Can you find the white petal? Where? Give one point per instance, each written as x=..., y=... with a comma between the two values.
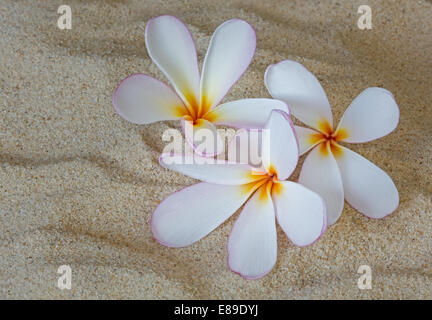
x=172, y=49
x=209, y=169
x=320, y=173
x=142, y=99
x=307, y=138
x=190, y=214
x=246, y=147
x=203, y=137
x=252, y=245
x=372, y=115
x=246, y=113
x=292, y=83
x=300, y=212
x=367, y=188
x=280, y=148
x=230, y=52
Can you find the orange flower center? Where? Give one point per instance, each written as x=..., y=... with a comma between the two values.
x=266, y=183
x=328, y=138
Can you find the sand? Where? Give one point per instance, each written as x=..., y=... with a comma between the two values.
x=79, y=183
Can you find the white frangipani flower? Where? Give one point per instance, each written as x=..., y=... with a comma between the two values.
x=188, y=215
x=142, y=99
x=332, y=170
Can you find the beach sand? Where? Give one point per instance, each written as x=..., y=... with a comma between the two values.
x=79, y=183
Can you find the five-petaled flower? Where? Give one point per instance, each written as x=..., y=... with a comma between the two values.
x=330, y=169
x=142, y=99
x=188, y=215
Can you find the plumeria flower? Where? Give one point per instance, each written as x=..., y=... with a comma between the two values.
x=332, y=170
x=186, y=216
x=195, y=100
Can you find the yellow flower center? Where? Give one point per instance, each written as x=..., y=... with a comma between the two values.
x=196, y=110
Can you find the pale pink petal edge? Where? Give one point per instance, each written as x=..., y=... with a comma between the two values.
x=216, y=103
x=152, y=223
x=364, y=214
x=136, y=75
x=190, y=35
x=323, y=229
x=228, y=251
